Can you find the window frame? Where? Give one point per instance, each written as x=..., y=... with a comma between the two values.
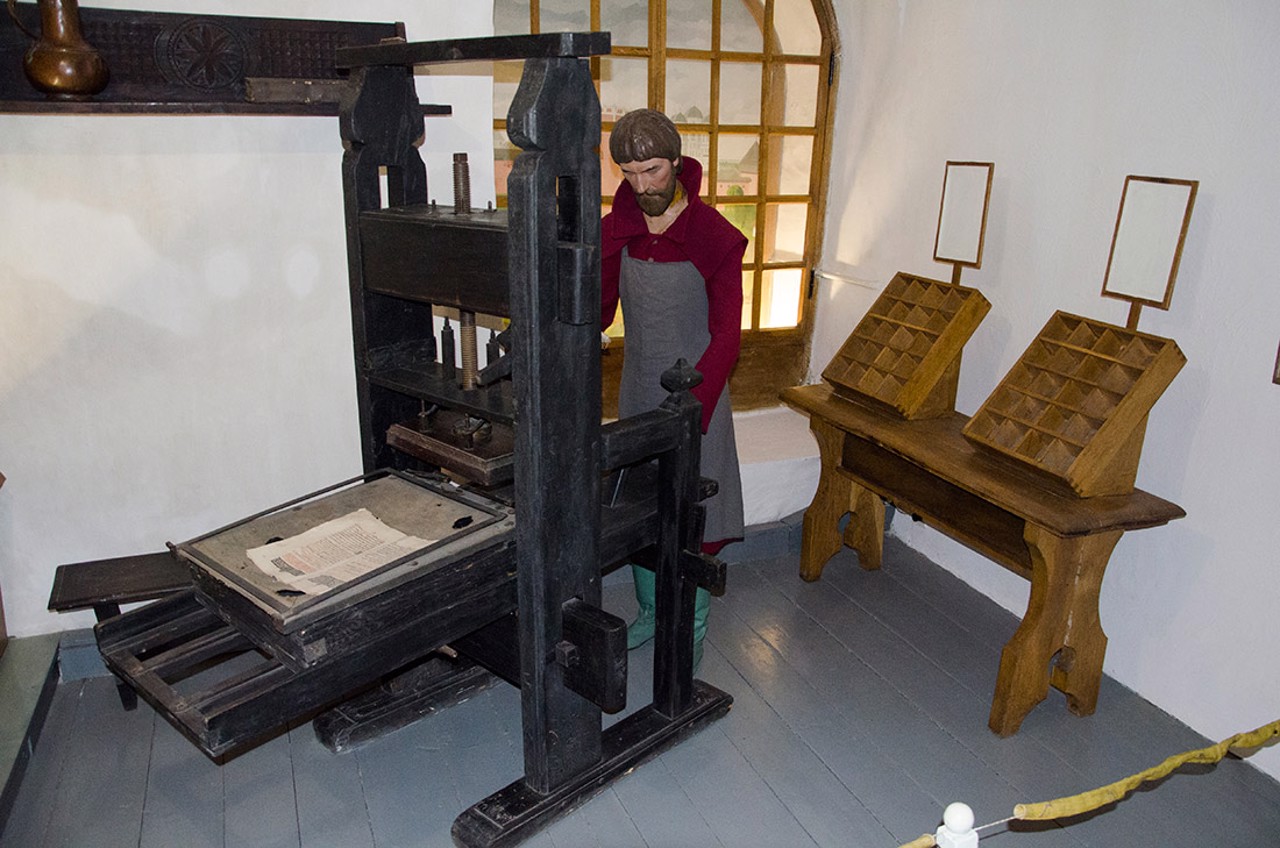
x=772, y=357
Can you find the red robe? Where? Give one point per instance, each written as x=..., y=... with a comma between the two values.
x=700, y=235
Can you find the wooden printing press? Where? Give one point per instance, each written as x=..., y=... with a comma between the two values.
x=504, y=479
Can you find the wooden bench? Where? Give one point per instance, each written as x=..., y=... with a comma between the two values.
x=103, y=585
x=1033, y=525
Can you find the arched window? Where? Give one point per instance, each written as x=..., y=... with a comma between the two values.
x=749, y=83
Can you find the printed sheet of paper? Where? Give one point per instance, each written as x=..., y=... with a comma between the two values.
x=335, y=552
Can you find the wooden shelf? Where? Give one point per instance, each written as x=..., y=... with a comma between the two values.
x=183, y=64
x=174, y=107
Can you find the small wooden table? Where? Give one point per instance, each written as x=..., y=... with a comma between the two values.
x=1033, y=525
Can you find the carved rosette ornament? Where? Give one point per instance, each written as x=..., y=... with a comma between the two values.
x=201, y=53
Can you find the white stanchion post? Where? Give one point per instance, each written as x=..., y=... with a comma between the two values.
x=957, y=827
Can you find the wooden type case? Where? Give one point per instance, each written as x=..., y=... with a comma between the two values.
x=1075, y=405
x=905, y=352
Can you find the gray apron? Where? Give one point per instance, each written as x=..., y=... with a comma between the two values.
x=664, y=307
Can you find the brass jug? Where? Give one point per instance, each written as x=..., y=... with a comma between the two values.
x=61, y=63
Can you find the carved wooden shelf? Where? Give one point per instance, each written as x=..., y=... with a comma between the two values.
x=905, y=352
x=1075, y=405
x=172, y=63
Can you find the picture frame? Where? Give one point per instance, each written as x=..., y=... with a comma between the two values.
x=962, y=213
x=1146, y=246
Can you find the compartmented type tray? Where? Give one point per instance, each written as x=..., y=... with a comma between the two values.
x=1075, y=405
x=905, y=352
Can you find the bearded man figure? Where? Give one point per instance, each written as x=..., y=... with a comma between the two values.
x=676, y=265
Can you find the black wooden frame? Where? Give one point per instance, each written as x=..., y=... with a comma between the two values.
x=528, y=606
x=571, y=662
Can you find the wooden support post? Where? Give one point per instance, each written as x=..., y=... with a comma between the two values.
x=555, y=301
x=678, y=489
x=820, y=534
x=554, y=272
x=865, y=530
x=1135, y=313
x=380, y=122
x=837, y=495
x=1061, y=626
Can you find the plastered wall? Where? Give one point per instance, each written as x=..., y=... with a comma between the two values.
x=1067, y=99
x=175, y=337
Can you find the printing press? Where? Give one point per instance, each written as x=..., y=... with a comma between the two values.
x=511, y=496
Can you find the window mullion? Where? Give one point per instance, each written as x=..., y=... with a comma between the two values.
x=713, y=147
x=658, y=54
x=764, y=230
x=594, y=25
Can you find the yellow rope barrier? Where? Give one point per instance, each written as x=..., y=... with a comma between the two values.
x=1074, y=805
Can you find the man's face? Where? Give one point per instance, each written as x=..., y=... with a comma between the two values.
x=654, y=184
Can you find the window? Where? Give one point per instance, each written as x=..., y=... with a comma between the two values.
x=748, y=83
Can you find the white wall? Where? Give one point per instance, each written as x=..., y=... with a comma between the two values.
x=1067, y=99
x=168, y=365
x=175, y=337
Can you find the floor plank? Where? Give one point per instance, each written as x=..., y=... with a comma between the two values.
x=184, y=803
x=860, y=707
x=662, y=811
x=100, y=796
x=332, y=809
x=260, y=798
x=33, y=807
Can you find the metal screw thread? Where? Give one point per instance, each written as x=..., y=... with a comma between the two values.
x=461, y=184
x=470, y=363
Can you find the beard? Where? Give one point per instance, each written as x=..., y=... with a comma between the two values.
x=654, y=203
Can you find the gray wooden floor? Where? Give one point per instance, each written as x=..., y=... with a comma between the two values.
x=860, y=711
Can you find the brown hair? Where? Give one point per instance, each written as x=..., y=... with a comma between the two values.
x=644, y=134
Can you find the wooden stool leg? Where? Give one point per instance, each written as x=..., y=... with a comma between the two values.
x=820, y=534
x=865, y=531
x=1062, y=615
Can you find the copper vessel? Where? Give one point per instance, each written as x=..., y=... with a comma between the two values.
x=62, y=64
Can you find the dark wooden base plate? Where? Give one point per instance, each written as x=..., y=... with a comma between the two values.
x=516, y=812
x=427, y=687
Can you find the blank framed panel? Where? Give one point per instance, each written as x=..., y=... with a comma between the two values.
x=1151, y=228
x=962, y=214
